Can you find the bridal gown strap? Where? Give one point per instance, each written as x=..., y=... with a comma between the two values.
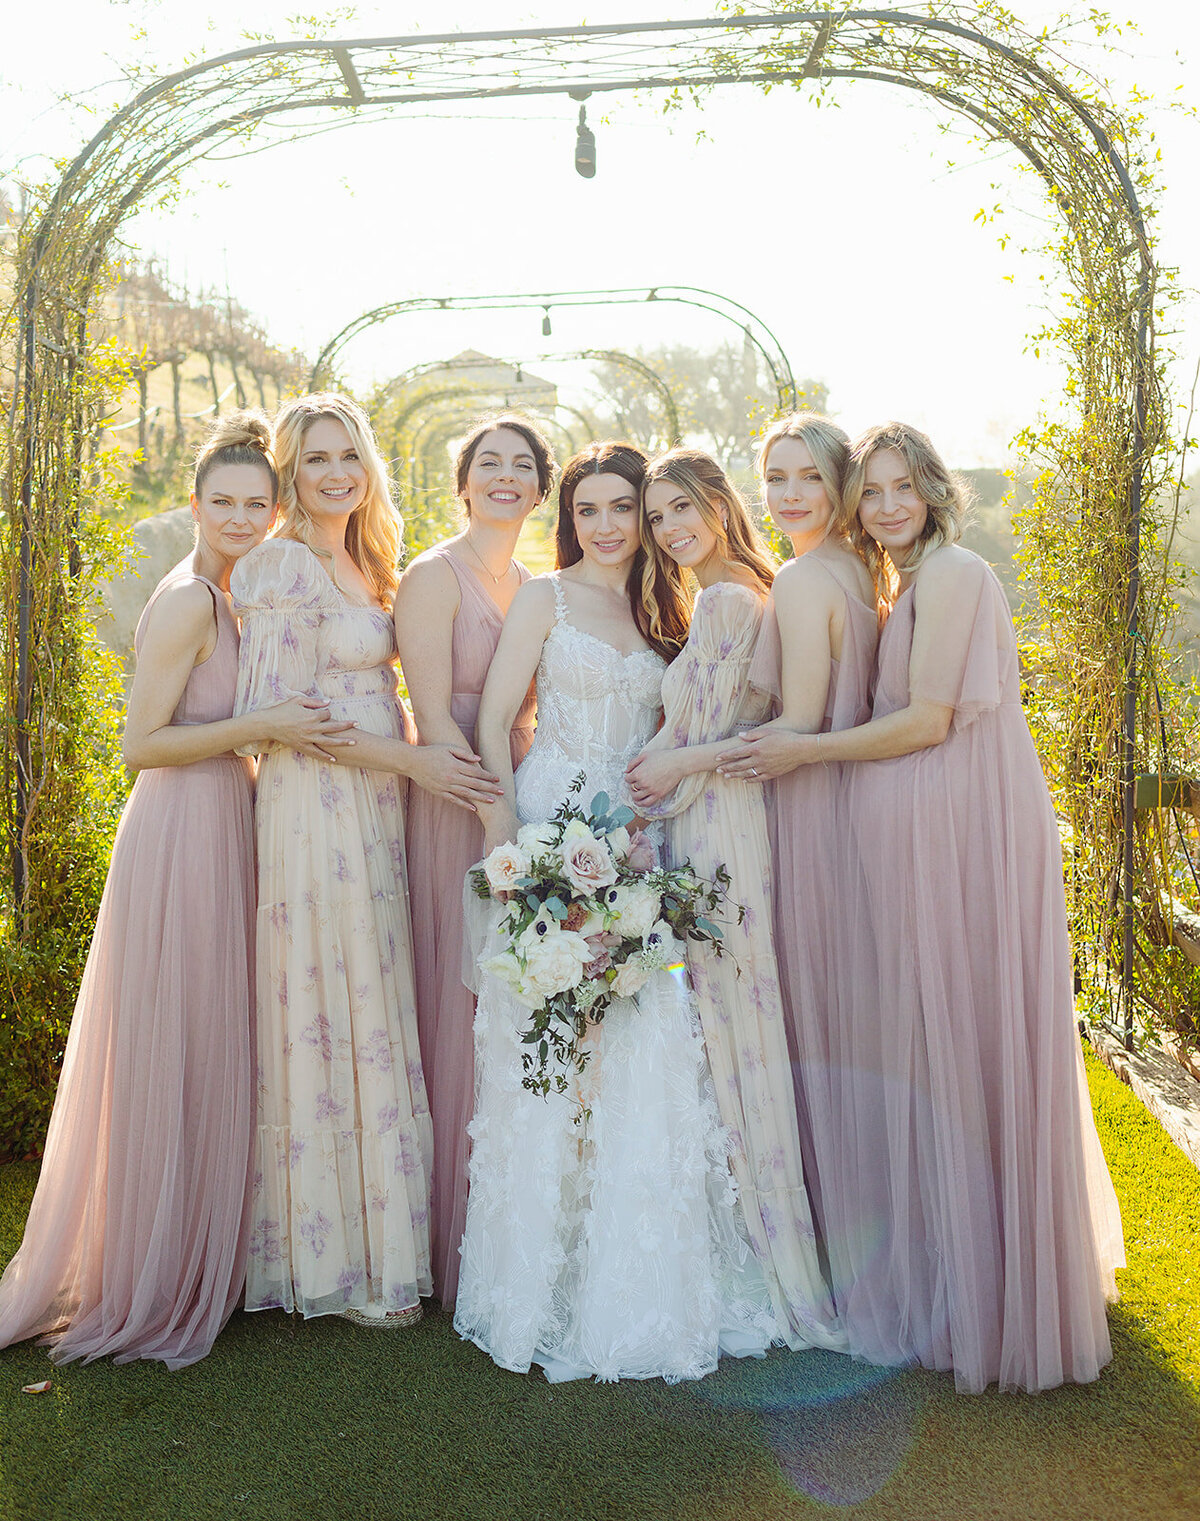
x=603, y=1236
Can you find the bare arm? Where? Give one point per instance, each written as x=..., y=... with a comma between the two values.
x=919, y=726
x=178, y=631
x=427, y=603
x=529, y=620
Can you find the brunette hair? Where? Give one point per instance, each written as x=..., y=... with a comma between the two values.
x=374, y=532
x=539, y=447
x=946, y=496
x=242, y=438
x=608, y=457
x=830, y=450
x=665, y=596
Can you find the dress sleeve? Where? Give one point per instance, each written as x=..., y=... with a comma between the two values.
x=766, y=665
x=279, y=595
x=966, y=655
x=707, y=692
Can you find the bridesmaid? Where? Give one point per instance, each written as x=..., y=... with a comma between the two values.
x=694, y=520
x=449, y=611
x=342, y=1153
x=815, y=657
x=978, y=1217
x=136, y=1241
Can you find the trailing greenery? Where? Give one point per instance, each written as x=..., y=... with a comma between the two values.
x=328, y=1422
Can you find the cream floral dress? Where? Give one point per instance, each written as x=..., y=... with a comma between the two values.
x=340, y=1179
x=716, y=821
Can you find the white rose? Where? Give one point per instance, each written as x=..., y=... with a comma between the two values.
x=631, y=977
x=537, y=839
x=576, y=830
x=503, y=867
x=636, y=908
x=618, y=841
x=507, y=969
x=556, y=962
x=587, y=862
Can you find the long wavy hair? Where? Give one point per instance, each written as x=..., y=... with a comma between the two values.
x=374, y=534
x=666, y=596
x=830, y=450
x=946, y=496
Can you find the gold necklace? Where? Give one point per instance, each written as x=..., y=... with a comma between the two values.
x=496, y=580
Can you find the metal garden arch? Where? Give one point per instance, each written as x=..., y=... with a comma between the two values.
x=971, y=59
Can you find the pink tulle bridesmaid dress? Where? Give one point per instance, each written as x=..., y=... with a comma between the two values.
x=807, y=828
x=136, y=1241
x=972, y=1199
x=443, y=841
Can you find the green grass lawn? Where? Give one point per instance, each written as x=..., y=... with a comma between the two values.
x=321, y=1422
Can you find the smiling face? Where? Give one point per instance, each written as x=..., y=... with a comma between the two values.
x=235, y=509
x=795, y=493
x=890, y=509
x=678, y=526
x=331, y=477
x=605, y=517
x=502, y=479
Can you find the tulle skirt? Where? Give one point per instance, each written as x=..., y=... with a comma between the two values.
x=967, y=1188
x=136, y=1241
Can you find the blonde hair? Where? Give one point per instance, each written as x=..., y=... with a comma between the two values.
x=374, y=534
x=242, y=438
x=829, y=446
x=946, y=496
x=665, y=596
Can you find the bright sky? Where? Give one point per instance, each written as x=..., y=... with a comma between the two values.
x=843, y=229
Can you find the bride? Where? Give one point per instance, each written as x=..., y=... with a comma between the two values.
x=603, y=1235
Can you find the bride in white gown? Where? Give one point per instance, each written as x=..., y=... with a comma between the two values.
x=603, y=1237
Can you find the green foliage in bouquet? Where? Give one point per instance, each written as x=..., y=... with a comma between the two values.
x=590, y=918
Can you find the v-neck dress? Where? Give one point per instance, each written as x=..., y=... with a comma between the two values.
x=344, y=1148
x=136, y=1241
x=444, y=842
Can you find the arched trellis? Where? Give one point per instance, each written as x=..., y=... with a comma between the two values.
x=463, y=367
x=753, y=328
x=973, y=61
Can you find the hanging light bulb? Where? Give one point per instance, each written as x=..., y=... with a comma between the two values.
x=585, y=147
x=545, y=322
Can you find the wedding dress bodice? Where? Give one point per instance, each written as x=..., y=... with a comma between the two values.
x=596, y=709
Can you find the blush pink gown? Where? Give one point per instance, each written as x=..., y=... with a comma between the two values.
x=972, y=1199
x=443, y=842
x=136, y=1241
x=807, y=832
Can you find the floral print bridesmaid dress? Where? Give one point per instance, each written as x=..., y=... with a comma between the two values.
x=342, y=1161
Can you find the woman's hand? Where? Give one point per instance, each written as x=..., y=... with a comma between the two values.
x=653, y=775
x=454, y=773
x=500, y=824
x=304, y=724
x=767, y=753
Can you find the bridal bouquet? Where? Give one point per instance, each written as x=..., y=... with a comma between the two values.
x=590, y=918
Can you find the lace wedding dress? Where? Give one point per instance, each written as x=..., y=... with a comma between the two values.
x=603, y=1235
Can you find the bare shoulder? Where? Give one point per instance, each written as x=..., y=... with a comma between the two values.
x=429, y=580
x=186, y=601
x=803, y=582
x=534, y=600
x=950, y=565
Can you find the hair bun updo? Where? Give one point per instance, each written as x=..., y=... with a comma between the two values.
x=241, y=438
